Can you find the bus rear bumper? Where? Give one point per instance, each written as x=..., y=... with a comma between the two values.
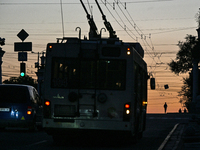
x=54, y=126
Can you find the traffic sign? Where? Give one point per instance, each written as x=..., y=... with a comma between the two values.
x=22, y=56
x=22, y=35
x=22, y=46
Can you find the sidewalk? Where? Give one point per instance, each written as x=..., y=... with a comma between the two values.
x=184, y=136
x=174, y=139
x=191, y=135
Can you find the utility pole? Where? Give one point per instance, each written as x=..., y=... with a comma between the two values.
x=195, y=105
x=40, y=72
x=195, y=62
x=195, y=69
x=2, y=42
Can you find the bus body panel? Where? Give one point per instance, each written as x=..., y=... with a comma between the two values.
x=94, y=100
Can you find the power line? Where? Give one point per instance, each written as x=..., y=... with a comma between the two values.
x=118, y=22
x=70, y=3
x=174, y=30
x=165, y=19
x=130, y=2
x=155, y=57
x=140, y=33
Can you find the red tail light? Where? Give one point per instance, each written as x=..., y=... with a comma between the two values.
x=47, y=109
x=29, y=110
x=47, y=103
x=127, y=105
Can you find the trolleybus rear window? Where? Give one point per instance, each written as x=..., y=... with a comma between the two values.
x=86, y=74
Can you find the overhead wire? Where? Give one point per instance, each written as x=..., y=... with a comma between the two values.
x=144, y=40
x=155, y=56
x=137, y=29
x=134, y=26
x=69, y=3
x=117, y=20
x=152, y=53
x=89, y=7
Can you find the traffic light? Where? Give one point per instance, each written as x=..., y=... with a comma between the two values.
x=22, y=69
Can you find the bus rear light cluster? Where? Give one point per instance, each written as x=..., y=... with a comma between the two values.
x=127, y=112
x=128, y=51
x=47, y=109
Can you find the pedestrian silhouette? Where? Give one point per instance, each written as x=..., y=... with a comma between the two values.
x=165, y=107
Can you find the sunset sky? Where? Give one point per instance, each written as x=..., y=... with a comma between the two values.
x=157, y=24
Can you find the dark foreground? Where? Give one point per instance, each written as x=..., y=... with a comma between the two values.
x=158, y=128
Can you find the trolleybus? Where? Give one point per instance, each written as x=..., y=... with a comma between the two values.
x=96, y=84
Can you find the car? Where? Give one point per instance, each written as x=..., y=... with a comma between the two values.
x=20, y=106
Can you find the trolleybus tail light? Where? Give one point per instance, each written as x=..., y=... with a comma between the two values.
x=47, y=103
x=29, y=110
x=127, y=112
x=128, y=51
x=50, y=46
x=47, y=109
x=127, y=106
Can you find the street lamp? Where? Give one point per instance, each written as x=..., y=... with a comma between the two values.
x=40, y=71
x=1, y=55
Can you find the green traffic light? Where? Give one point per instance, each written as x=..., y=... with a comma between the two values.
x=22, y=74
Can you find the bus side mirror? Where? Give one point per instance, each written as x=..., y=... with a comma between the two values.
x=152, y=83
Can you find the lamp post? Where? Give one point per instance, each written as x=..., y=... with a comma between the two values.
x=196, y=58
x=195, y=69
x=2, y=42
x=195, y=104
x=1, y=55
x=40, y=70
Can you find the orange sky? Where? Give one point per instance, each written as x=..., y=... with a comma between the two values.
x=161, y=24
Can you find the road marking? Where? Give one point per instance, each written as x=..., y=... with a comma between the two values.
x=168, y=136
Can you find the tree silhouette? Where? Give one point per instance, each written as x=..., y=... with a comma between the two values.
x=183, y=64
x=21, y=80
x=183, y=60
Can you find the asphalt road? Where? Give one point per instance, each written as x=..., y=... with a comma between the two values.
x=158, y=127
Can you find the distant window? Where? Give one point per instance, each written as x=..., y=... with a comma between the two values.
x=111, y=51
